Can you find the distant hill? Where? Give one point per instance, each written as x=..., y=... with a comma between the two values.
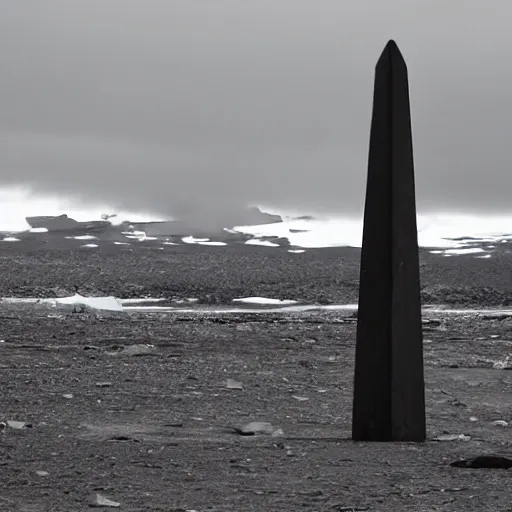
x=65, y=223
x=199, y=224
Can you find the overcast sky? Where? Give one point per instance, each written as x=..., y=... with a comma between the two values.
x=165, y=105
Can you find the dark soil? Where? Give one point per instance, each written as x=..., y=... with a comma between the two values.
x=216, y=275
x=157, y=431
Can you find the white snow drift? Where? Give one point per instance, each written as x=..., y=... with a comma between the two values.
x=105, y=303
x=263, y=300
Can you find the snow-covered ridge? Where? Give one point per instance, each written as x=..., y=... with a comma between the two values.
x=454, y=234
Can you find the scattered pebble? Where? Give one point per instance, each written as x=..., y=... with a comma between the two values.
x=17, y=425
x=353, y=508
x=233, y=384
x=484, y=461
x=101, y=501
x=452, y=437
x=260, y=427
x=505, y=364
x=103, y=384
x=138, y=350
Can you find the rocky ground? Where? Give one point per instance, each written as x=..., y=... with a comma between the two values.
x=142, y=410
x=216, y=275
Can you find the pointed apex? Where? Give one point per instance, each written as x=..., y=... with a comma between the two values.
x=392, y=49
x=390, y=53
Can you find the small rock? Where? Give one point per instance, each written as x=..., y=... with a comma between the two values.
x=42, y=473
x=69, y=396
x=505, y=364
x=484, y=461
x=138, y=350
x=473, y=418
x=452, y=437
x=233, y=384
x=258, y=427
x=101, y=501
x=17, y=425
x=353, y=508
x=500, y=423
x=300, y=398
x=456, y=402
x=103, y=384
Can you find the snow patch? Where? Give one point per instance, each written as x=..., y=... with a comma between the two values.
x=140, y=236
x=469, y=250
x=192, y=240
x=89, y=246
x=213, y=243
x=84, y=237
x=434, y=231
x=11, y=239
x=264, y=243
x=140, y=300
x=264, y=300
x=105, y=303
x=201, y=241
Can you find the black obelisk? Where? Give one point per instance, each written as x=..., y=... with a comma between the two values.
x=389, y=395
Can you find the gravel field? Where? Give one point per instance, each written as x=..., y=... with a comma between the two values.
x=147, y=410
x=217, y=275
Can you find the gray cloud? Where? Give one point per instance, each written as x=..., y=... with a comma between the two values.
x=165, y=105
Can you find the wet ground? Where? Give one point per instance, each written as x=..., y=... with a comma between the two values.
x=142, y=409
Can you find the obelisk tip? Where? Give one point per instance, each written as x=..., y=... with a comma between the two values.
x=390, y=53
